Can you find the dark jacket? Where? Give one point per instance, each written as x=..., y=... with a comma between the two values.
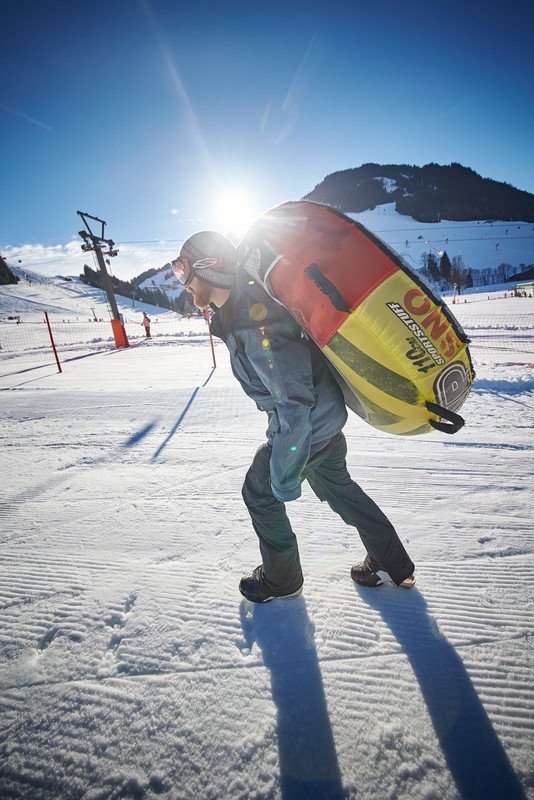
x=286, y=374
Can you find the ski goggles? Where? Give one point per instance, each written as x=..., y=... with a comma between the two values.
x=185, y=272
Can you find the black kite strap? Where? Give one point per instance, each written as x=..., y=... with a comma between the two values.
x=327, y=287
x=455, y=421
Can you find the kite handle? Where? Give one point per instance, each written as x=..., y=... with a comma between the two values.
x=327, y=287
x=455, y=421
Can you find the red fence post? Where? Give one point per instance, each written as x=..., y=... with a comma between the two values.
x=52, y=341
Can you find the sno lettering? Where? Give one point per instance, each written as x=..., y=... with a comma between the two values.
x=419, y=304
x=418, y=309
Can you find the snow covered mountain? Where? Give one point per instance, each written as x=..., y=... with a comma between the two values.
x=482, y=244
x=428, y=194
x=165, y=281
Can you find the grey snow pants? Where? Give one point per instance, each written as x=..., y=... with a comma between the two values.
x=327, y=474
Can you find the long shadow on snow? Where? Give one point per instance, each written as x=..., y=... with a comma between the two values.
x=309, y=768
x=34, y=490
x=474, y=754
x=180, y=419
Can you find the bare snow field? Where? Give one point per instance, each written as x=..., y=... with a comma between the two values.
x=130, y=666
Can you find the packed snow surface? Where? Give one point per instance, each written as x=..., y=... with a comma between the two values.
x=131, y=667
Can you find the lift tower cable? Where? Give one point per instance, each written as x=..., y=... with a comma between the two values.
x=93, y=242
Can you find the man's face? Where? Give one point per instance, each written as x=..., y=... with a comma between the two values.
x=201, y=292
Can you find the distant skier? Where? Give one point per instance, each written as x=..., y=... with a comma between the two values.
x=146, y=323
x=286, y=374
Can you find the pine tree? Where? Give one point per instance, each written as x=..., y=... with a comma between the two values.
x=445, y=267
x=433, y=268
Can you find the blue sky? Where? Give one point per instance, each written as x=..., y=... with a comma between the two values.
x=164, y=118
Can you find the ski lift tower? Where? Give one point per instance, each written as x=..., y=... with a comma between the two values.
x=93, y=243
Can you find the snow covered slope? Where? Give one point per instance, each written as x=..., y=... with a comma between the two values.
x=130, y=666
x=481, y=244
x=67, y=297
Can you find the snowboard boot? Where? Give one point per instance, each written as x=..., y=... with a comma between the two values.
x=254, y=589
x=368, y=573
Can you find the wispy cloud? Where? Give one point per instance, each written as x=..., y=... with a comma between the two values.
x=68, y=259
x=26, y=117
x=454, y=109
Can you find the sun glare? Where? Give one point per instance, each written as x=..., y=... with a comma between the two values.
x=234, y=212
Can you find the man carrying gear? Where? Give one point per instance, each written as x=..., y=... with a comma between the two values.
x=287, y=376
